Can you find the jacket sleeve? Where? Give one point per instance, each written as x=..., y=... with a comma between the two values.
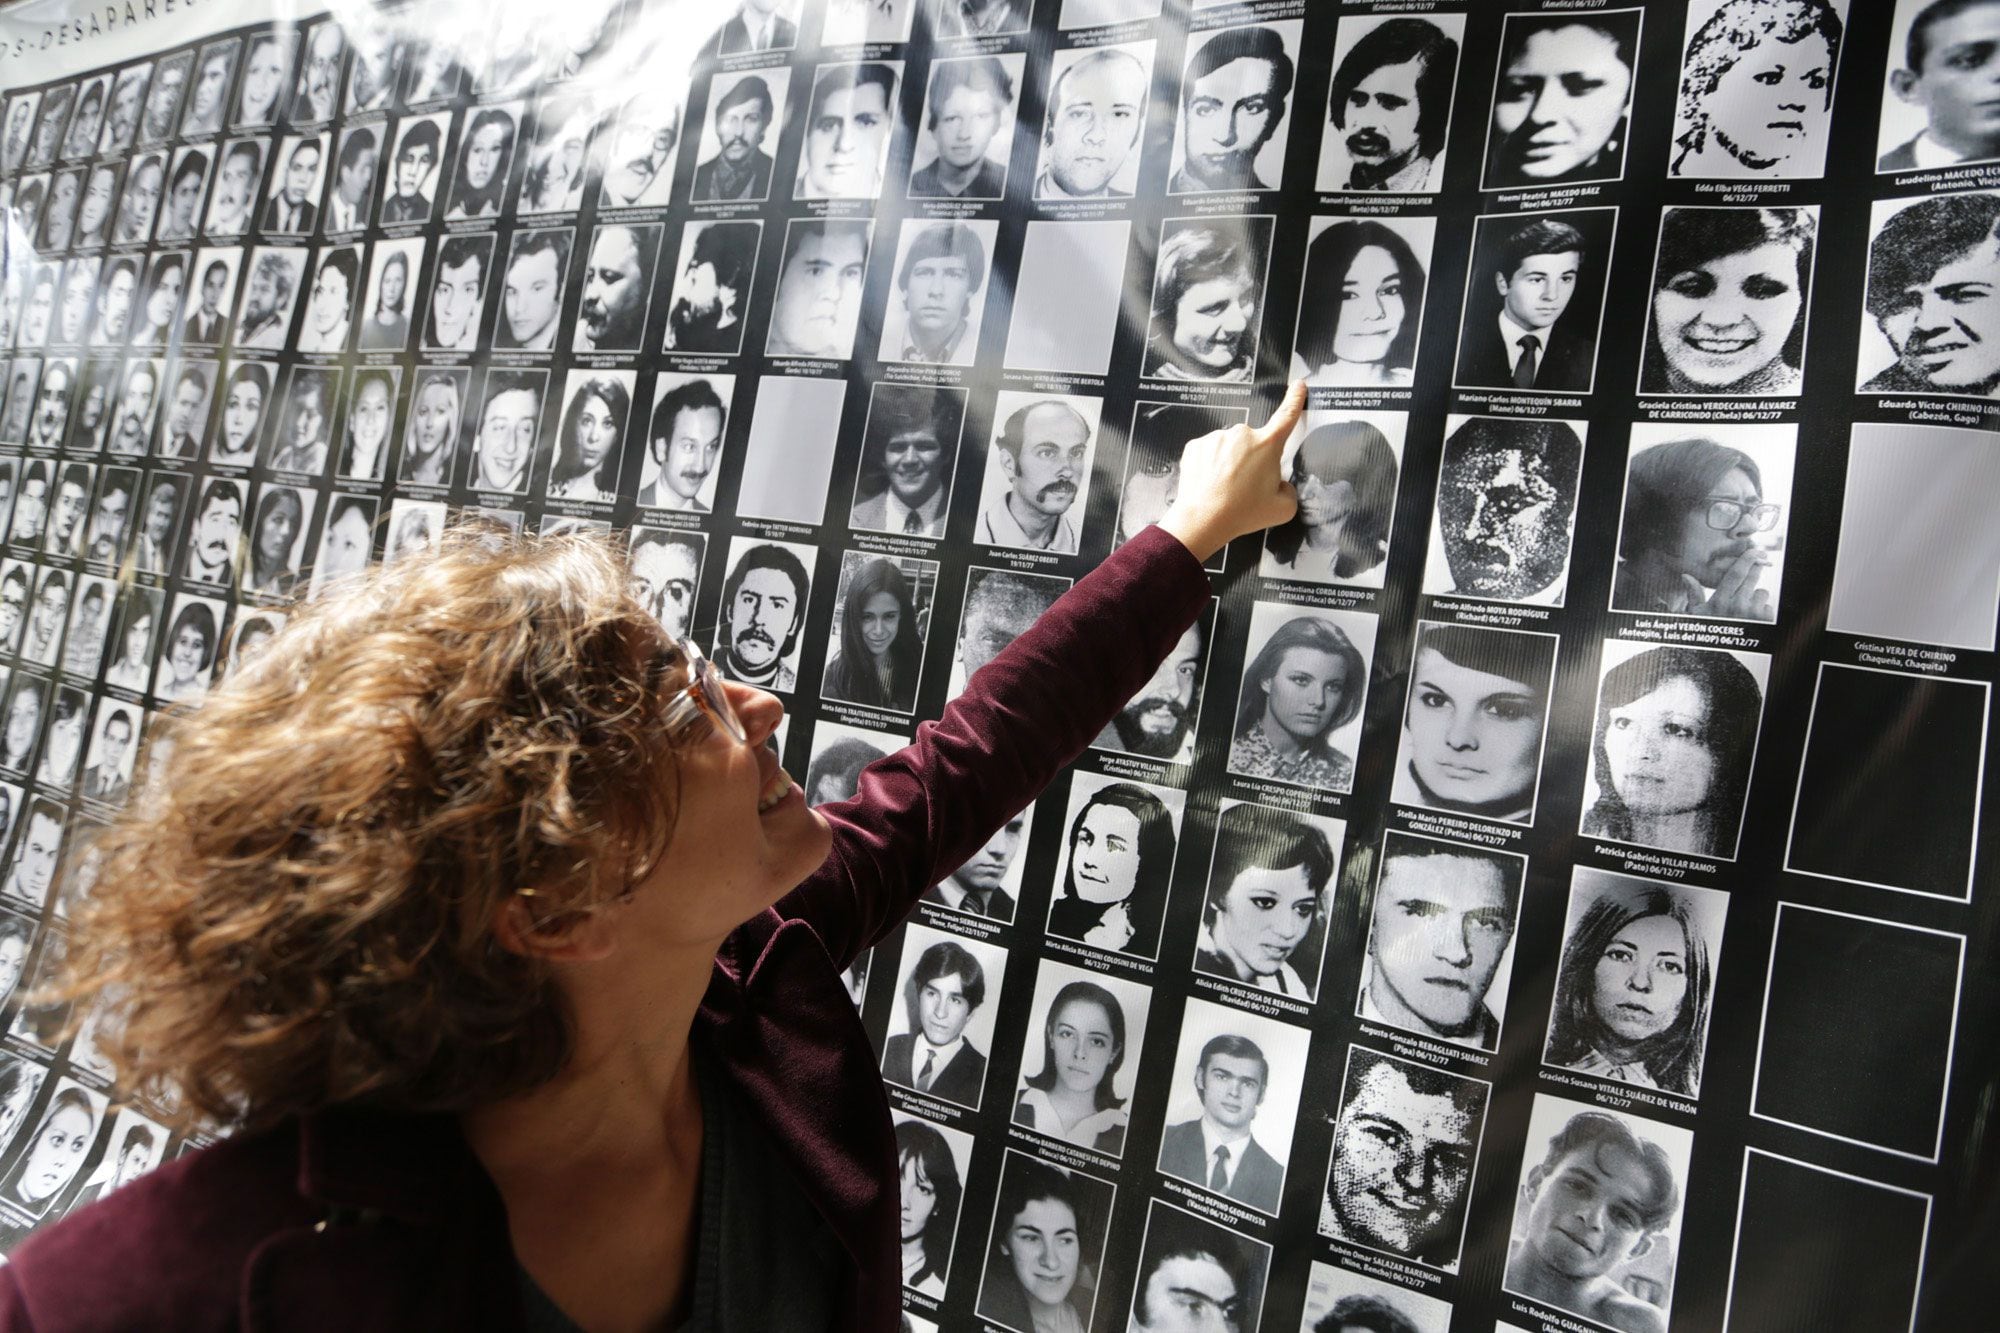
x=918, y=814
x=13, y=1308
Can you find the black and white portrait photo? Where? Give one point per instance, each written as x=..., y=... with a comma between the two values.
x=1390, y=106
x=375, y=66
x=1730, y=288
x=413, y=169
x=934, y=314
x=1562, y=99
x=187, y=390
x=745, y=112
x=293, y=204
x=1474, y=721
x=41, y=637
x=1598, y=1216
x=1045, y=1247
x=1233, y=1104
x=19, y=133
x=54, y=396
x=117, y=294
x=187, y=653
x=1933, y=295
x=640, y=148
x=384, y=309
x=459, y=284
x=989, y=883
x=301, y=440
x=1194, y=1273
x=531, y=291
x=274, y=542
x=77, y=306
x=788, y=458
x=908, y=454
x=1270, y=888
x=131, y=419
x=27, y=705
x=86, y=121
x=756, y=25
x=979, y=18
x=1094, y=122
x=185, y=186
x=763, y=612
x=558, y=155
x=322, y=57
x=267, y=78
x=131, y=651
x=881, y=625
x=156, y=318
x=505, y=430
x=1756, y=91
x=485, y=160
x=415, y=527
x=1155, y=444
x=94, y=210
x=1405, y=1146
x=1938, y=109
x=107, y=771
x=56, y=105
x=999, y=607
x=432, y=426
x=711, y=292
x=617, y=287
x=1672, y=747
x=850, y=118
x=1099, y=13
x=153, y=544
x=1345, y=468
x=1535, y=301
x=330, y=305
x=684, y=440
x=1159, y=721
x=932, y=1164
x=1635, y=982
x=817, y=305
x=232, y=205
x=1038, y=471
x=1885, y=586
x=212, y=287
x=967, y=131
x=1703, y=531
x=59, y=224
x=208, y=92
x=271, y=288
x=435, y=69
x=215, y=522
x=134, y=1146
x=55, y=1147
x=83, y=648
x=1080, y=1091
x=1506, y=505
x=1339, y=1301
x=1079, y=269
x=948, y=992
x=1440, y=939
x=1208, y=298
x=1361, y=301
x=1234, y=98
x=249, y=398
x=665, y=566
x=352, y=198
x=839, y=753
x=1298, y=715
x=1120, y=839
x=346, y=538
x=587, y=456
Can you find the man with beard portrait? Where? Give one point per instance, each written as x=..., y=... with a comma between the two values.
x=707, y=313
x=763, y=611
x=741, y=169
x=1158, y=722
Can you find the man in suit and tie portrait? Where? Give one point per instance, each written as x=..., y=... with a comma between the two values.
x=1525, y=344
x=109, y=777
x=291, y=208
x=740, y=169
x=977, y=886
x=935, y=1057
x=910, y=429
x=756, y=26
x=205, y=324
x=1216, y=1149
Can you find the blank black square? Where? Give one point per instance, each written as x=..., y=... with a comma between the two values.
x=1888, y=789
x=1857, y=1029
x=1817, y=1251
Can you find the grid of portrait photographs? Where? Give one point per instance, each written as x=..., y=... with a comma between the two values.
x=1367, y=969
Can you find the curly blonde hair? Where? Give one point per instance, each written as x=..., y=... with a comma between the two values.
x=298, y=911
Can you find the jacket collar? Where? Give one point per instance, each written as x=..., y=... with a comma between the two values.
x=398, y=1164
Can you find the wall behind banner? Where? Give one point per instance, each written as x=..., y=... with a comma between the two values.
x=1551, y=873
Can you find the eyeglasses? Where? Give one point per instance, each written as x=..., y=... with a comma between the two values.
x=1724, y=515
x=703, y=695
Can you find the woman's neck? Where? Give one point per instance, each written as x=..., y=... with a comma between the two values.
x=1071, y=1105
x=1282, y=742
x=1326, y=536
x=1685, y=831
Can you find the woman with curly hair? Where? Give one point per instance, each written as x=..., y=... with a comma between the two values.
x=1670, y=754
x=1729, y=301
x=930, y=1195
x=1632, y=992
x=1205, y=303
x=483, y=915
x=590, y=447
x=881, y=645
x=1757, y=91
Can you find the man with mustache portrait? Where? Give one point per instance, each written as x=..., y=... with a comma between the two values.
x=707, y=313
x=685, y=441
x=1390, y=107
x=763, y=611
x=741, y=169
x=1044, y=455
x=1158, y=722
x=1403, y=1150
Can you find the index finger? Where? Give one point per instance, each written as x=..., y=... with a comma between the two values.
x=1279, y=428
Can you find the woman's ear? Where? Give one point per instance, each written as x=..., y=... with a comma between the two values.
x=576, y=935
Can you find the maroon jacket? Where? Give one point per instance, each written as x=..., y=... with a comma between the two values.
x=350, y=1219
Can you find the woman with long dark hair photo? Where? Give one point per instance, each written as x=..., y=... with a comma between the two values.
x=1364, y=299
x=1083, y=1047
x=931, y=1191
x=1114, y=887
x=1632, y=991
x=1345, y=476
x=590, y=447
x=881, y=643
